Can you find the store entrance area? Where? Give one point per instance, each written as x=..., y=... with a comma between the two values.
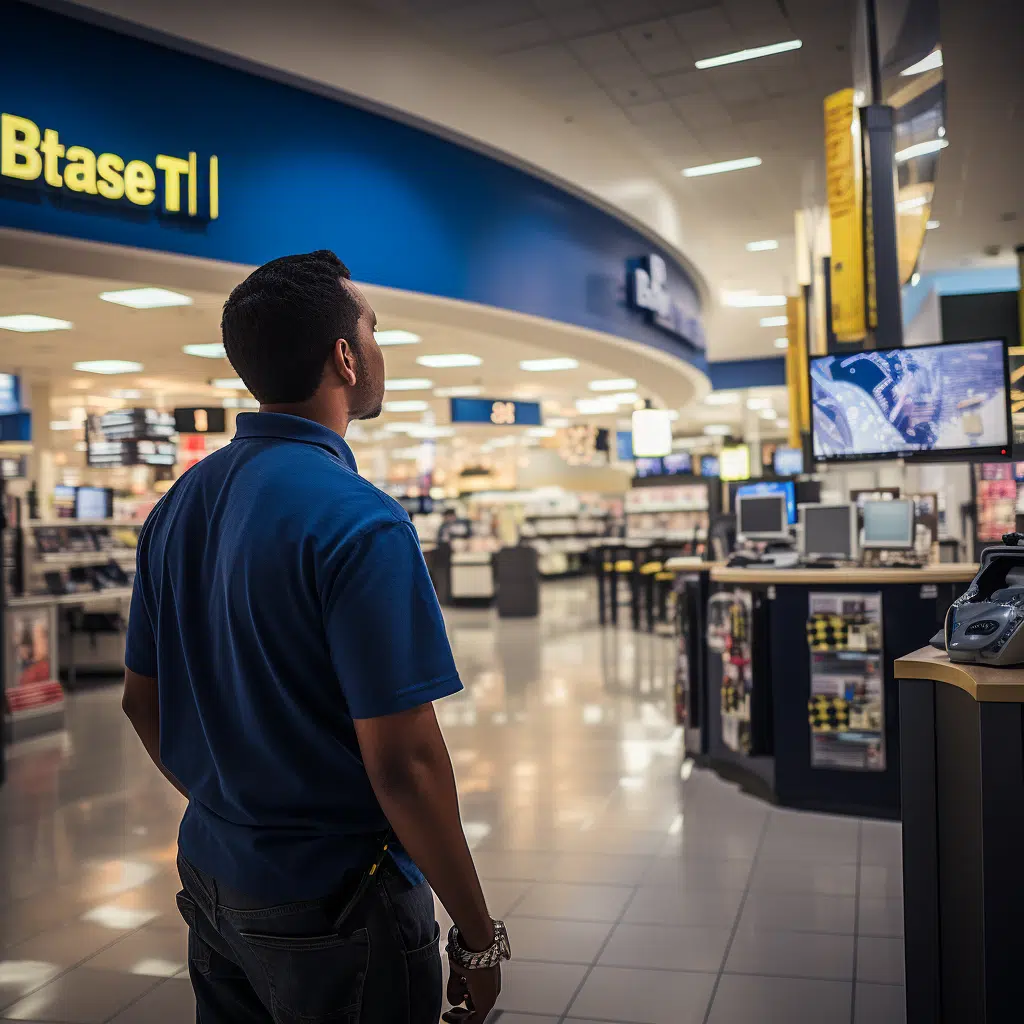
x=633, y=892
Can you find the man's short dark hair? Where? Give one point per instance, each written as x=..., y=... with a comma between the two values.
x=281, y=323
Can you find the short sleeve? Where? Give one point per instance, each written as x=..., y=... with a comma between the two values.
x=140, y=648
x=384, y=627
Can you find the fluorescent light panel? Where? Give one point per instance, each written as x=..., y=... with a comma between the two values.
x=613, y=384
x=774, y=321
x=547, y=365
x=920, y=149
x=781, y=343
x=29, y=323
x=206, y=350
x=914, y=203
x=931, y=225
x=596, y=406
x=541, y=432
x=460, y=391
x=929, y=63
x=229, y=383
x=146, y=298
x=722, y=398
x=408, y=405
x=407, y=384
x=717, y=430
x=765, y=245
x=452, y=359
x=751, y=300
x=108, y=366
x=385, y=338
x=701, y=170
x=752, y=54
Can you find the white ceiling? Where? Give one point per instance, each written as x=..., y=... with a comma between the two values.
x=603, y=95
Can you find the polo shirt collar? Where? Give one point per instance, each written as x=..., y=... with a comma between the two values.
x=285, y=427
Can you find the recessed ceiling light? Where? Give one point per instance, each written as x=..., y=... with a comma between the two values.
x=396, y=338
x=717, y=430
x=769, y=414
x=596, y=406
x=409, y=405
x=781, y=343
x=720, y=168
x=108, y=366
x=28, y=323
x=613, y=384
x=722, y=398
x=751, y=54
x=557, y=421
x=229, y=383
x=126, y=394
x=460, y=391
x=751, y=300
x=146, y=298
x=915, y=279
x=407, y=384
x=765, y=245
x=759, y=403
x=546, y=365
x=206, y=350
x=782, y=424
x=425, y=431
x=541, y=432
x=901, y=156
x=626, y=398
x=774, y=321
x=929, y=63
x=931, y=225
x=63, y=425
x=443, y=362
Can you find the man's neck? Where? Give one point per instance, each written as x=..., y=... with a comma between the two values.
x=326, y=413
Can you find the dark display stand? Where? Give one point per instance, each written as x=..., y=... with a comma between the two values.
x=690, y=590
x=517, y=582
x=961, y=731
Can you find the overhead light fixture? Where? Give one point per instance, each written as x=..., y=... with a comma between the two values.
x=613, y=384
x=717, y=429
x=759, y=403
x=146, y=298
x=914, y=203
x=701, y=170
x=109, y=366
x=596, y=406
x=386, y=338
x=546, y=365
x=205, y=350
x=240, y=403
x=769, y=414
x=29, y=323
x=901, y=156
x=559, y=422
x=460, y=391
x=425, y=431
x=229, y=384
x=722, y=398
x=407, y=384
x=541, y=432
x=781, y=343
x=63, y=424
x=751, y=300
x=774, y=321
x=915, y=279
x=752, y=54
x=444, y=362
x=765, y=245
x=627, y=398
x=126, y=394
x=931, y=225
x=929, y=63
x=408, y=405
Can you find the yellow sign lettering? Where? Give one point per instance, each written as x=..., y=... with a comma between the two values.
x=109, y=167
x=173, y=167
x=80, y=171
x=19, y=148
x=52, y=151
x=139, y=182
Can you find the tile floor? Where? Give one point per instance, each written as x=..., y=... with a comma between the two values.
x=632, y=894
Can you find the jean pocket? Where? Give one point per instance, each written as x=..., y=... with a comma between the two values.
x=318, y=977
x=423, y=966
x=198, y=950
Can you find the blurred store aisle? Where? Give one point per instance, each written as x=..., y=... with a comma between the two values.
x=631, y=894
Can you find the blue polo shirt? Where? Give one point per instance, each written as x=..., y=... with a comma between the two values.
x=279, y=596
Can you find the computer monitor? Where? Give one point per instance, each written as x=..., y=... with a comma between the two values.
x=761, y=517
x=94, y=503
x=830, y=531
x=889, y=524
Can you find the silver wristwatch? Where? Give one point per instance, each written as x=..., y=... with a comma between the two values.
x=492, y=956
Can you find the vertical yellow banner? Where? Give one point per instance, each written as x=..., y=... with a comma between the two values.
x=797, y=369
x=845, y=188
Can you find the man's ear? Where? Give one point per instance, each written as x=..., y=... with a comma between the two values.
x=345, y=362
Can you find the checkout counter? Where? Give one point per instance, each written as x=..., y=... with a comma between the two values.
x=796, y=699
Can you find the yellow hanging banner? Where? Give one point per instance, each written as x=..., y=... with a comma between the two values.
x=845, y=189
x=797, y=369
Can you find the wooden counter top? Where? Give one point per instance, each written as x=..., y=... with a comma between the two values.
x=983, y=683
x=950, y=572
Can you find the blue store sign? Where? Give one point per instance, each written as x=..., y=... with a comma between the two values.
x=110, y=138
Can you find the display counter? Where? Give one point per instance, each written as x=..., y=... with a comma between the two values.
x=961, y=729
x=801, y=704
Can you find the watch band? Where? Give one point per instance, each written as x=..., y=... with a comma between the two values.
x=492, y=956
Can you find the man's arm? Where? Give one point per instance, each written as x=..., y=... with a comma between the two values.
x=141, y=705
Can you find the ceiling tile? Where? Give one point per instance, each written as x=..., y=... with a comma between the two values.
x=650, y=36
x=760, y=135
x=481, y=14
x=785, y=82
x=706, y=23
x=516, y=37
x=702, y=112
x=623, y=73
x=663, y=62
x=601, y=48
x=626, y=12
x=578, y=23
x=685, y=83
x=647, y=113
x=638, y=93
x=548, y=59
x=761, y=13
x=740, y=90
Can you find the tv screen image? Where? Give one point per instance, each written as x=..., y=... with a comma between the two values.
x=678, y=462
x=709, y=465
x=949, y=399
x=784, y=487
x=649, y=467
x=788, y=461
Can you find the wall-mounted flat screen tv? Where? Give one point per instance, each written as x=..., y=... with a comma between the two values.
x=939, y=402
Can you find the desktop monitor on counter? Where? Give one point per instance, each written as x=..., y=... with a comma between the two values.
x=762, y=517
x=889, y=524
x=829, y=531
x=94, y=503
x=784, y=487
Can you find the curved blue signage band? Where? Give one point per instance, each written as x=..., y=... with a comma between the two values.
x=110, y=138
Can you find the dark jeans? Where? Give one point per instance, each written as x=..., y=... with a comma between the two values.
x=253, y=964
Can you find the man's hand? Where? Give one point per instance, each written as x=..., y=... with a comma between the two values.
x=478, y=990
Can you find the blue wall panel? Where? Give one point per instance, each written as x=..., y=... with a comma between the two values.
x=404, y=208
x=748, y=373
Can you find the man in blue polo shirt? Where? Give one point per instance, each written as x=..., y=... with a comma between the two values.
x=284, y=648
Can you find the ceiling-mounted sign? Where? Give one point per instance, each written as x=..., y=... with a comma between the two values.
x=500, y=412
x=178, y=185
x=131, y=453
x=648, y=291
x=10, y=393
x=131, y=424
x=206, y=420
